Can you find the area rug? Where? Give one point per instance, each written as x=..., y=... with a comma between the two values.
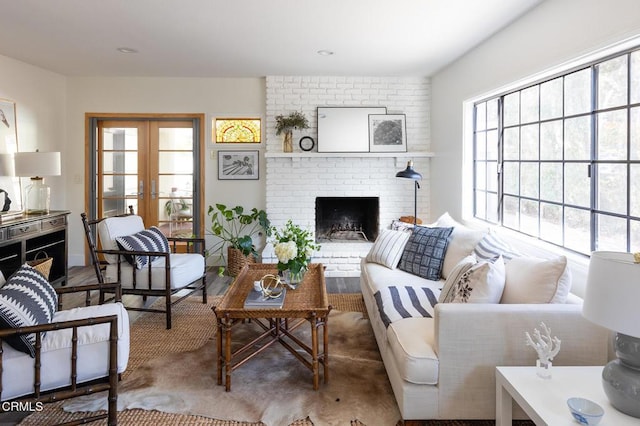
x=273, y=388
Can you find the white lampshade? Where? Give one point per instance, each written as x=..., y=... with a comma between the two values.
x=30, y=164
x=613, y=291
x=7, y=165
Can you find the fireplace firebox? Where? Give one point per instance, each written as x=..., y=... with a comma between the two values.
x=345, y=219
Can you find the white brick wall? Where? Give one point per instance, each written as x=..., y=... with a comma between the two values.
x=294, y=183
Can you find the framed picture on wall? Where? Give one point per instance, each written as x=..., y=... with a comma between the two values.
x=387, y=133
x=238, y=165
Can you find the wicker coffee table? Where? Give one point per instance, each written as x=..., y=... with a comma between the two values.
x=307, y=303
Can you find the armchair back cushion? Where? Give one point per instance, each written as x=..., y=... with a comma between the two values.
x=114, y=227
x=26, y=299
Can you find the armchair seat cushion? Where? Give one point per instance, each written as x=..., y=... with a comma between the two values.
x=185, y=269
x=93, y=353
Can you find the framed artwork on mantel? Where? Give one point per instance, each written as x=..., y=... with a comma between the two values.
x=10, y=189
x=345, y=129
x=387, y=133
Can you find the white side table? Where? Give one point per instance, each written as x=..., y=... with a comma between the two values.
x=545, y=401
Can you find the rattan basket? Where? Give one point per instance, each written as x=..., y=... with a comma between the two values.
x=236, y=261
x=42, y=265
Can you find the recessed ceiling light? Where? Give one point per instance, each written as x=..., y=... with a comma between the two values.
x=324, y=52
x=126, y=50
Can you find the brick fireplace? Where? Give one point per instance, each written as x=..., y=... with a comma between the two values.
x=295, y=180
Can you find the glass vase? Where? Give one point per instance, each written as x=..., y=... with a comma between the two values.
x=293, y=279
x=543, y=369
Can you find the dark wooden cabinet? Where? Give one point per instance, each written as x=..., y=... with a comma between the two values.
x=30, y=237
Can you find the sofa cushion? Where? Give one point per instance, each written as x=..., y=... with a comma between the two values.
x=533, y=280
x=482, y=283
x=492, y=246
x=411, y=342
x=151, y=239
x=424, y=252
x=395, y=303
x=388, y=248
x=26, y=299
x=461, y=244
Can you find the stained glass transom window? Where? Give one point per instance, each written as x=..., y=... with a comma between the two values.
x=237, y=130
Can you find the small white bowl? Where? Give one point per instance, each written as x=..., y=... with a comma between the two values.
x=585, y=412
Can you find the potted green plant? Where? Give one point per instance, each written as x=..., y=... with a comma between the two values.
x=234, y=230
x=286, y=124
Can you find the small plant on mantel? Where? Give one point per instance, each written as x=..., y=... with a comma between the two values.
x=286, y=124
x=235, y=229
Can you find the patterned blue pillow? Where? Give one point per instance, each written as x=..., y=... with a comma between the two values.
x=151, y=239
x=26, y=299
x=424, y=253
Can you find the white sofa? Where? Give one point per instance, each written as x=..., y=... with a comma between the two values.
x=443, y=367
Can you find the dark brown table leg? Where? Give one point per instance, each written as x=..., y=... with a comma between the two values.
x=227, y=354
x=219, y=341
x=325, y=348
x=314, y=351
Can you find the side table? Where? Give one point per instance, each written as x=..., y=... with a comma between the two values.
x=545, y=400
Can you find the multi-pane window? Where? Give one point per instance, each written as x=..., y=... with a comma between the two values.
x=560, y=160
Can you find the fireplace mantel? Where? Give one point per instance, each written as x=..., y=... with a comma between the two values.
x=414, y=154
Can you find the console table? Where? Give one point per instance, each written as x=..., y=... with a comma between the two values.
x=28, y=237
x=545, y=400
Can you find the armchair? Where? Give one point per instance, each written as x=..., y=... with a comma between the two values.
x=84, y=351
x=159, y=271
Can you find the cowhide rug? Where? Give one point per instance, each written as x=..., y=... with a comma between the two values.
x=273, y=387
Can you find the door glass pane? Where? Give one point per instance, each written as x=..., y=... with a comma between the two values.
x=551, y=182
x=551, y=223
x=120, y=139
x=577, y=92
x=551, y=140
x=512, y=109
x=612, y=188
x=611, y=233
x=175, y=139
x=529, y=217
x=511, y=183
x=612, y=135
x=635, y=78
x=577, y=230
x=530, y=105
x=120, y=162
x=577, y=138
x=612, y=82
x=551, y=99
x=577, y=184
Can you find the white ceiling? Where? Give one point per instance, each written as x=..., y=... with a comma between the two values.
x=248, y=38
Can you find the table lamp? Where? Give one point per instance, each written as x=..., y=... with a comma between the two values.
x=36, y=165
x=611, y=300
x=410, y=173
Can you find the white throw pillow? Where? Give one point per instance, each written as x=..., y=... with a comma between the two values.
x=388, y=248
x=463, y=266
x=482, y=283
x=533, y=280
x=462, y=242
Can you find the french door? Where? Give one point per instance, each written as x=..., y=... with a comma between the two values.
x=154, y=165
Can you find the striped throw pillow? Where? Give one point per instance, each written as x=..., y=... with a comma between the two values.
x=491, y=246
x=388, y=248
x=26, y=299
x=151, y=239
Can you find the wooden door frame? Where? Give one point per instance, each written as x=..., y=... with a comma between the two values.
x=90, y=117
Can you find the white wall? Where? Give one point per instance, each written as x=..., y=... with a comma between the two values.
x=211, y=96
x=40, y=114
x=555, y=32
